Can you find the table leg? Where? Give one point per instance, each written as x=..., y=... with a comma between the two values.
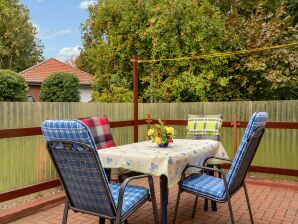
x=164, y=199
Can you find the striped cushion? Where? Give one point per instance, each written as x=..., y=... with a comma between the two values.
x=205, y=185
x=204, y=125
x=257, y=120
x=100, y=130
x=132, y=195
x=67, y=130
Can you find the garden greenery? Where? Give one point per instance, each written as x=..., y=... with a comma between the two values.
x=12, y=86
x=116, y=30
x=60, y=87
x=19, y=46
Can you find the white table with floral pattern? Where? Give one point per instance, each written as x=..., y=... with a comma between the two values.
x=167, y=163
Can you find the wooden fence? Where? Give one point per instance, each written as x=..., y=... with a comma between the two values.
x=24, y=160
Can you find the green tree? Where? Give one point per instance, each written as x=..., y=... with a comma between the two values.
x=60, y=87
x=111, y=37
x=293, y=11
x=115, y=94
x=153, y=29
x=179, y=28
x=19, y=47
x=12, y=86
x=269, y=74
x=172, y=29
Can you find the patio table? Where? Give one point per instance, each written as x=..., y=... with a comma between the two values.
x=167, y=163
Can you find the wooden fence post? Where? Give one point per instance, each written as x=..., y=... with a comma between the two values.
x=148, y=122
x=135, y=98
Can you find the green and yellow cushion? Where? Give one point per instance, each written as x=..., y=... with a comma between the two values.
x=204, y=125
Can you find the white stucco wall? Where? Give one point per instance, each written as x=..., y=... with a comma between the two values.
x=85, y=93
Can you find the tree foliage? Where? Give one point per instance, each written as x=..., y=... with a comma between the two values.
x=115, y=31
x=19, y=47
x=60, y=87
x=274, y=70
x=117, y=94
x=12, y=86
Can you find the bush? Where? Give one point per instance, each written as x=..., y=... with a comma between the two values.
x=120, y=95
x=12, y=86
x=60, y=87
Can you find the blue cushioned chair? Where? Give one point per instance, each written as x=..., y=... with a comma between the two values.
x=221, y=190
x=73, y=152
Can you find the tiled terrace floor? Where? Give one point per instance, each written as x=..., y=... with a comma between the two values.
x=269, y=204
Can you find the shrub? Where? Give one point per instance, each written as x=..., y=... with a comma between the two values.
x=116, y=94
x=60, y=87
x=12, y=86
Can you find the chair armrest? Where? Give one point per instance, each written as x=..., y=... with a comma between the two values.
x=219, y=158
x=201, y=167
x=125, y=183
x=127, y=180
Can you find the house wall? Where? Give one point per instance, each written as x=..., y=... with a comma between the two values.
x=85, y=94
x=34, y=91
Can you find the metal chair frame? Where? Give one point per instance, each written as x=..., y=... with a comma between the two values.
x=253, y=144
x=116, y=218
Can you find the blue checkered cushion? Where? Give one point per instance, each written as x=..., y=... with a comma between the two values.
x=79, y=172
x=205, y=185
x=132, y=195
x=213, y=187
x=77, y=131
x=258, y=119
x=71, y=130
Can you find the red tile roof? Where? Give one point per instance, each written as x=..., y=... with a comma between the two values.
x=42, y=70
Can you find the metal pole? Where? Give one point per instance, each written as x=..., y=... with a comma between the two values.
x=135, y=97
x=235, y=134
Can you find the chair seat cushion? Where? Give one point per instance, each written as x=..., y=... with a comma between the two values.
x=132, y=195
x=205, y=185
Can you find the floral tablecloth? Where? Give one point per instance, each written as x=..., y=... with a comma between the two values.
x=147, y=157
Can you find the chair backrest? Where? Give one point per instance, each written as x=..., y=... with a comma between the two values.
x=70, y=130
x=100, y=130
x=73, y=152
x=246, y=151
x=204, y=126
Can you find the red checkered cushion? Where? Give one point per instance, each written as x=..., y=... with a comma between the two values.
x=100, y=131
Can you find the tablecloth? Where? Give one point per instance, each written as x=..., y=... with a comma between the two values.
x=147, y=157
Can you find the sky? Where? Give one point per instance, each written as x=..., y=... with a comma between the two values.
x=58, y=23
